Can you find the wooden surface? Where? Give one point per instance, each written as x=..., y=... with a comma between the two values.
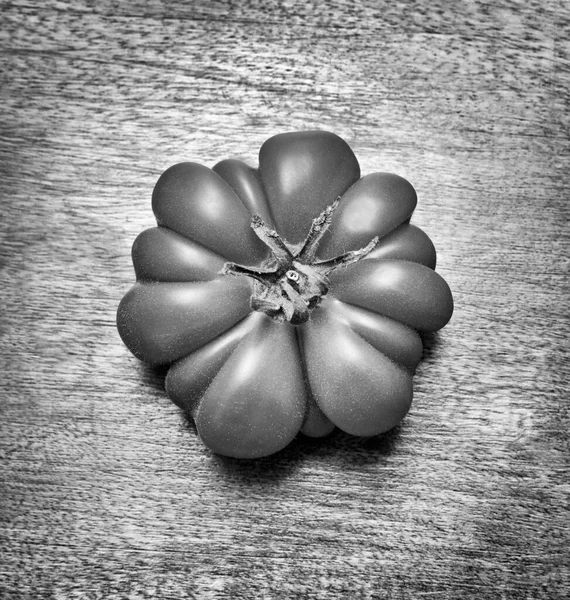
x=106, y=492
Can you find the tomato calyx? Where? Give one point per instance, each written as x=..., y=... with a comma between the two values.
x=293, y=281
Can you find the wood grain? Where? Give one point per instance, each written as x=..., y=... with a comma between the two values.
x=106, y=490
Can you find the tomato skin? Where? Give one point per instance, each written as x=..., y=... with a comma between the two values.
x=197, y=203
x=189, y=377
x=358, y=388
x=247, y=185
x=397, y=341
x=161, y=322
x=160, y=254
x=252, y=382
x=256, y=404
x=408, y=292
x=406, y=242
x=316, y=423
x=374, y=205
x=303, y=172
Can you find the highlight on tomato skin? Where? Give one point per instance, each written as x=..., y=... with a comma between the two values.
x=286, y=299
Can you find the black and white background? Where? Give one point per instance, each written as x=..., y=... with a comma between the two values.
x=106, y=492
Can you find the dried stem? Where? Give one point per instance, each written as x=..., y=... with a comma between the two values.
x=326, y=266
x=319, y=227
x=272, y=240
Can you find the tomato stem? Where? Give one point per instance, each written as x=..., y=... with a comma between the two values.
x=264, y=276
x=319, y=227
x=348, y=258
x=293, y=283
x=272, y=240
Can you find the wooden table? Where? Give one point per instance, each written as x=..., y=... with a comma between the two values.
x=106, y=490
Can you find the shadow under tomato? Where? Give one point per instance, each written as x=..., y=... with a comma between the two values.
x=153, y=376
x=337, y=447
x=431, y=342
x=341, y=448
x=351, y=450
x=260, y=471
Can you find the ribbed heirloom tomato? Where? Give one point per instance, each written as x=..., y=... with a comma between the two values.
x=286, y=298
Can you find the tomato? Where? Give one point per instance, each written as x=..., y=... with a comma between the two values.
x=285, y=299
